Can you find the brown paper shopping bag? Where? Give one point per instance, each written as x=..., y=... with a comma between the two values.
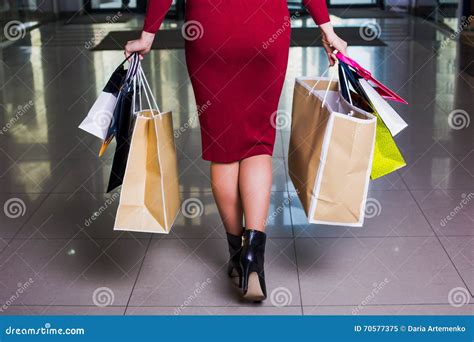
x=149, y=200
x=330, y=154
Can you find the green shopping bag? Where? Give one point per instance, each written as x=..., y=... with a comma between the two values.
x=387, y=156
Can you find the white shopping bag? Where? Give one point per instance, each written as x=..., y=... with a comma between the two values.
x=98, y=119
x=389, y=116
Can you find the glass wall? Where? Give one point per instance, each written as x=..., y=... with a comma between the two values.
x=299, y=3
x=16, y=16
x=138, y=6
x=113, y=4
x=446, y=14
x=352, y=2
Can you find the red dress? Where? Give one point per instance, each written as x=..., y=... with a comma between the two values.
x=237, y=55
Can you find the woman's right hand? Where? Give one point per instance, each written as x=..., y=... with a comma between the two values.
x=142, y=45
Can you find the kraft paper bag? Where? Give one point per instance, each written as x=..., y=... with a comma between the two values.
x=149, y=201
x=330, y=153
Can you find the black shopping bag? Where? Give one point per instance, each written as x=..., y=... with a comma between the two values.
x=122, y=129
x=123, y=136
x=131, y=72
x=351, y=89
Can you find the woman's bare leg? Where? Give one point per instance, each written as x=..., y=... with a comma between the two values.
x=225, y=187
x=255, y=184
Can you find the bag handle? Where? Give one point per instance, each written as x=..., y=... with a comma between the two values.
x=140, y=83
x=331, y=72
x=143, y=83
x=347, y=85
x=132, y=69
x=137, y=88
x=142, y=86
x=134, y=96
x=125, y=60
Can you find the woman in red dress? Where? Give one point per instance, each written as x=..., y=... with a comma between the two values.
x=237, y=55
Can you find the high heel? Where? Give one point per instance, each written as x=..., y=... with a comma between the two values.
x=234, y=269
x=252, y=261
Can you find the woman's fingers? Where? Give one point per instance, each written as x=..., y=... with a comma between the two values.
x=341, y=46
x=131, y=47
x=128, y=50
x=137, y=46
x=329, y=52
x=333, y=44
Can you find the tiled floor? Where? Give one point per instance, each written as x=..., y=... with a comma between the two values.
x=60, y=255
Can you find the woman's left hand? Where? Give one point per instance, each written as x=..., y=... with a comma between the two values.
x=332, y=43
x=142, y=45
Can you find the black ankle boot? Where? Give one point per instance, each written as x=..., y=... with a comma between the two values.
x=235, y=247
x=251, y=261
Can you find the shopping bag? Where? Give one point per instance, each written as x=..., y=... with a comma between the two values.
x=99, y=117
x=364, y=73
x=123, y=134
x=127, y=84
x=126, y=88
x=387, y=156
x=389, y=116
x=330, y=153
x=122, y=128
x=149, y=200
